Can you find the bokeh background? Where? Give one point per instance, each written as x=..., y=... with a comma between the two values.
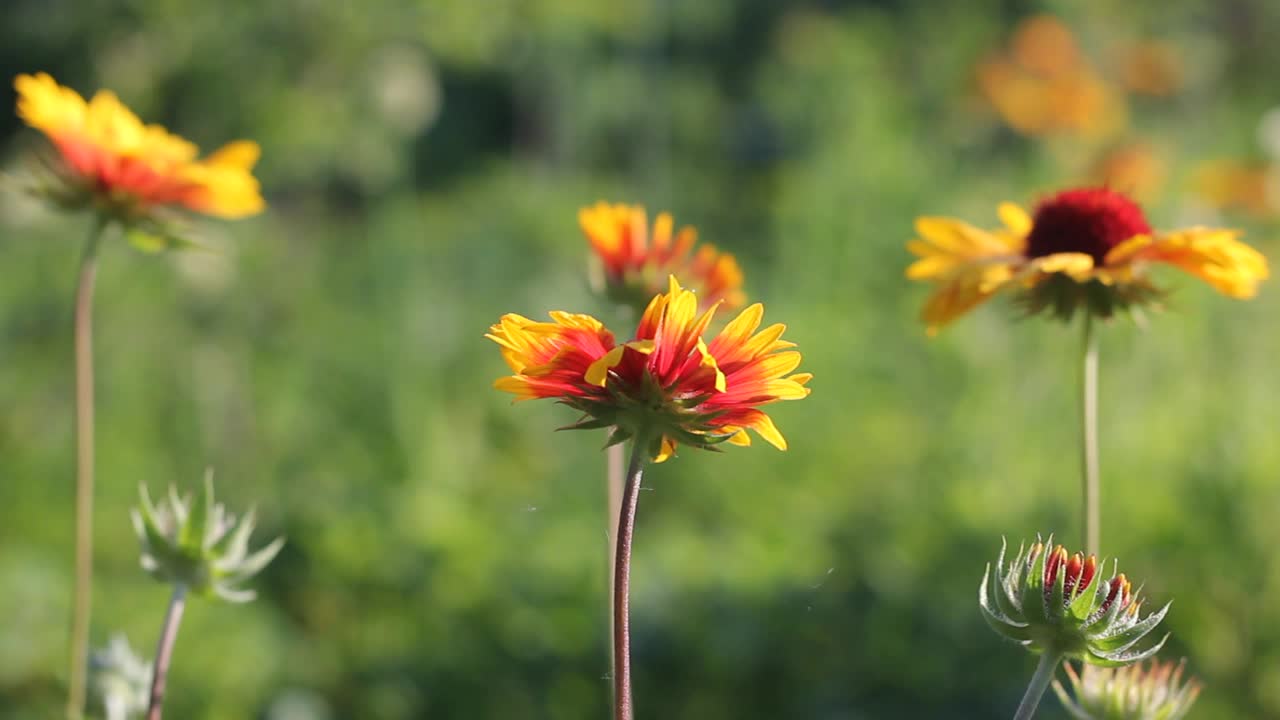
x=424, y=162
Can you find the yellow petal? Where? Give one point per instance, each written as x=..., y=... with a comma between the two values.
x=598, y=371
x=1014, y=218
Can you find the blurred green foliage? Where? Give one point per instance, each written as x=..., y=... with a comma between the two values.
x=446, y=558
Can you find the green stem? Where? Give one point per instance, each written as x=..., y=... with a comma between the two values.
x=1049, y=661
x=622, y=706
x=1089, y=438
x=164, y=651
x=84, y=473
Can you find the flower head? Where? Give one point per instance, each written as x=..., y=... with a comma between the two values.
x=1155, y=691
x=1046, y=599
x=1043, y=85
x=634, y=262
x=121, y=680
x=198, y=544
x=668, y=384
x=111, y=159
x=1085, y=249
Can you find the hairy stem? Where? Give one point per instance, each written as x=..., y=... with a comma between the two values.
x=81, y=606
x=1089, y=439
x=1049, y=661
x=164, y=651
x=622, y=708
x=615, y=479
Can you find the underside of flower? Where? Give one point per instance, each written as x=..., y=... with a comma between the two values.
x=668, y=384
x=1048, y=600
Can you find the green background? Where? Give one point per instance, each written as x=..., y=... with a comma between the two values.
x=424, y=163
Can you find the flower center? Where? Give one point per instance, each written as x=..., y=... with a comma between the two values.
x=1087, y=220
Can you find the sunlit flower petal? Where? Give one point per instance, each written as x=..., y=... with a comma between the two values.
x=1085, y=248
x=668, y=384
x=131, y=167
x=636, y=262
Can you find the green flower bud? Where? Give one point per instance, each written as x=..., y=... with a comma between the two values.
x=197, y=544
x=1049, y=601
x=1155, y=691
x=120, y=680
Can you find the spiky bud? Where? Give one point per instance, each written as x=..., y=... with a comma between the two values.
x=1046, y=599
x=1154, y=691
x=198, y=544
x=120, y=680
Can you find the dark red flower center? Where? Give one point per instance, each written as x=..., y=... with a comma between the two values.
x=1087, y=220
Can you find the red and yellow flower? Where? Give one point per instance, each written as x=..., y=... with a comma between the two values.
x=635, y=262
x=668, y=385
x=1083, y=248
x=110, y=157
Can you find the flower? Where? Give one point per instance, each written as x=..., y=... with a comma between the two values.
x=1152, y=692
x=632, y=263
x=110, y=158
x=667, y=385
x=196, y=543
x=1047, y=600
x=1085, y=247
x=121, y=680
x=1044, y=86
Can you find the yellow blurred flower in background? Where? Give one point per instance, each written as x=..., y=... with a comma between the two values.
x=111, y=158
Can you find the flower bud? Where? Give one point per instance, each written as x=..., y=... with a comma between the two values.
x=199, y=545
x=120, y=680
x=1046, y=599
x=1154, y=691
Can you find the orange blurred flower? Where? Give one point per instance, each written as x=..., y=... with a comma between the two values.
x=1085, y=248
x=1253, y=187
x=110, y=157
x=1151, y=67
x=667, y=385
x=1134, y=168
x=1043, y=85
x=634, y=263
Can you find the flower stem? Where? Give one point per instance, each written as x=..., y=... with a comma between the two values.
x=164, y=652
x=81, y=606
x=615, y=479
x=1049, y=661
x=622, y=709
x=1089, y=438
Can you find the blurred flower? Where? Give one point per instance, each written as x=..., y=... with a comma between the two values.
x=633, y=265
x=1049, y=601
x=1084, y=248
x=667, y=385
x=120, y=679
x=197, y=544
x=1152, y=692
x=1252, y=187
x=127, y=169
x=1151, y=67
x=1133, y=168
x=1043, y=85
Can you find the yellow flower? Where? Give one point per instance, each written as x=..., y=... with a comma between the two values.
x=636, y=262
x=129, y=167
x=1084, y=248
x=670, y=383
